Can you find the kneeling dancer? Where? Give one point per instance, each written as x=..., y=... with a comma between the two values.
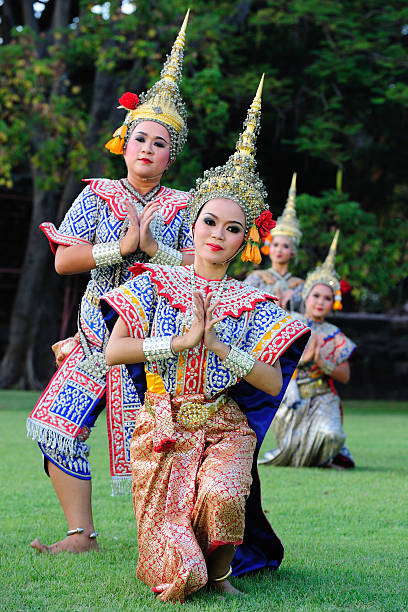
x=308, y=425
x=197, y=332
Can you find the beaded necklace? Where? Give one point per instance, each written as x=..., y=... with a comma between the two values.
x=186, y=318
x=157, y=225
x=143, y=199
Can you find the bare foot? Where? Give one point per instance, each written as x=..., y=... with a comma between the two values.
x=224, y=587
x=161, y=591
x=77, y=543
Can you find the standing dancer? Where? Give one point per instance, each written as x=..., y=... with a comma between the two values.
x=308, y=425
x=111, y=225
x=281, y=245
x=197, y=333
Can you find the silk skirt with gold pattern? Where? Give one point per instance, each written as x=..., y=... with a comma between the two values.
x=190, y=499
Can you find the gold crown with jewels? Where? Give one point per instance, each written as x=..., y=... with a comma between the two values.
x=238, y=180
x=162, y=103
x=288, y=223
x=326, y=275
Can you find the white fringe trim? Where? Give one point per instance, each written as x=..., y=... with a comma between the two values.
x=121, y=485
x=49, y=437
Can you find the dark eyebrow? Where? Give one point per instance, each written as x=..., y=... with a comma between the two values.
x=156, y=137
x=215, y=217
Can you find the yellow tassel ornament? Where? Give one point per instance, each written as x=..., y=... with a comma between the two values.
x=254, y=234
x=246, y=255
x=116, y=143
x=337, y=301
x=252, y=252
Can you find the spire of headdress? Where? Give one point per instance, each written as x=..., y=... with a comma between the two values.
x=237, y=180
x=326, y=275
x=288, y=224
x=246, y=144
x=173, y=65
x=330, y=260
x=161, y=103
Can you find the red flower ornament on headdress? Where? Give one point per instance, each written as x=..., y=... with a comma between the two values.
x=116, y=144
x=345, y=287
x=129, y=100
x=260, y=229
x=265, y=223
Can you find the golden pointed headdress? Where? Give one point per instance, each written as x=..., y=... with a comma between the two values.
x=238, y=180
x=287, y=224
x=325, y=275
x=162, y=103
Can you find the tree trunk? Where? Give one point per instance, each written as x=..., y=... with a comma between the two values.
x=35, y=269
x=35, y=322
x=28, y=362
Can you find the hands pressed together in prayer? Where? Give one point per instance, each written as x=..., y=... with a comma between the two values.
x=139, y=234
x=202, y=328
x=123, y=349
x=340, y=372
x=75, y=259
x=312, y=350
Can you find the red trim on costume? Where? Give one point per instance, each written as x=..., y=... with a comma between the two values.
x=118, y=415
x=42, y=412
x=293, y=330
x=164, y=445
x=216, y=544
x=123, y=305
x=116, y=195
x=55, y=238
x=336, y=348
x=174, y=284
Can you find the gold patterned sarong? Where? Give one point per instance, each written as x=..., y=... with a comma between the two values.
x=191, y=498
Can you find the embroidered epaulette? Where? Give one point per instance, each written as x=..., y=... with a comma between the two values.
x=116, y=195
x=173, y=282
x=56, y=238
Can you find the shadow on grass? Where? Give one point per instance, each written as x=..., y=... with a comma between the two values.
x=367, y=468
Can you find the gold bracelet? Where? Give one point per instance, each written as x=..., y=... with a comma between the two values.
x=224, y=577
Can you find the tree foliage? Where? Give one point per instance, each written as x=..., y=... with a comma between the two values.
x=368, y=257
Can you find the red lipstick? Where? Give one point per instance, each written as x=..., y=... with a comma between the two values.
x=214, y=247
x=145, y=160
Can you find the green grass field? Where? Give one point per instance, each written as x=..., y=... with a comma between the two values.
x=345, y=533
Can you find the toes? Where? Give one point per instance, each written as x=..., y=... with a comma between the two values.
x=38, y=546
x=73, y=545
x=161, y=591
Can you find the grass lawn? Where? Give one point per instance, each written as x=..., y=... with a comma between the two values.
x=345, y=533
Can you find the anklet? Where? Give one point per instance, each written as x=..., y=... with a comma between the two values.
x=224, y=577
x=74, y=531
x=92, y=536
